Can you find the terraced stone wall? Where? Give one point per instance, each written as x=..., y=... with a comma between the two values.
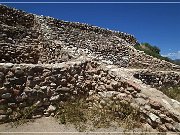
x=18, y=38
x=138, y=59
x=27, y=38
x=13, y=17
x=159, y=79
x=43, y=87
x=82, y=39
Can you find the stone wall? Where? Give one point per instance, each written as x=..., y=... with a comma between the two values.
x=47, y=37
x=138, y=59
x=18, y=38
x=12, y=17
x=28, y=38
x=43, y=87
x=159, y=79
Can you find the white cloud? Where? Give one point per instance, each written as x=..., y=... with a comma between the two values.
x=174, y=55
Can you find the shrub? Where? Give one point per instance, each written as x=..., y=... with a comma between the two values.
x=151, y=50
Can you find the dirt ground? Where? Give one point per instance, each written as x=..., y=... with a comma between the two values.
x=48, y=126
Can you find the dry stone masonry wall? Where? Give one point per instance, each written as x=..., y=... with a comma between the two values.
x=43, y=86
x=138, y=59
x=13, y=17
x=18, y=38
x=46, y=38
x=159, y=79
x=25, y=85
x=38, y=39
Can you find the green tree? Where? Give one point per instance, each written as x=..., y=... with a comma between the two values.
x=151, y=50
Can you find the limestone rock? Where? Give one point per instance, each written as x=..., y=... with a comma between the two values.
x=153, y=117
x=63, y=89
x=3, y=117
x=8, y=65
x=51, y=108
x=55, y=98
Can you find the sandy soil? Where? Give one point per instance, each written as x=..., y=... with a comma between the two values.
x=48, y=126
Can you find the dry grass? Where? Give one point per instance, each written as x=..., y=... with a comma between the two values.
x=172, y=92
x=22, y=116
x=83, y=117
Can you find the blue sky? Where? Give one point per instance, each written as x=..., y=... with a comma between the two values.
x=157, y=24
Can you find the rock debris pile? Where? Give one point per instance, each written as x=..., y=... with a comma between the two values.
x=45, y=61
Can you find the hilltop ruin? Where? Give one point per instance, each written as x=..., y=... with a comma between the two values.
x=45, y=61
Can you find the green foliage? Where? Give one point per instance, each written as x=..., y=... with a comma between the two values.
x=151, y=50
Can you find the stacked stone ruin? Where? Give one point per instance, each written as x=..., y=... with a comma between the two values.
x=159, y=78
x=44, y=61
x=38, y=39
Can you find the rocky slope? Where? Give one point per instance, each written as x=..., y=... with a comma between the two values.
x=45, y=61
